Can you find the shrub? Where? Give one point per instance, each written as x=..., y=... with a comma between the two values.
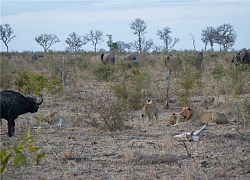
x=188, y=81
x=6, y=75
x=106, y=113
x=133, y=88
x=28, y=82
x=33, y=83
x=54, y=86
x=217, y=71
x=246, y=111
x=104, y=72
x=21, y=154
x=236, y=80
x=79, y=62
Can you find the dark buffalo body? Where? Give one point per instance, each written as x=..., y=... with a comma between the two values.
x=14, y=104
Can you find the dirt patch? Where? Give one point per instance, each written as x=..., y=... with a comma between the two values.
x=141, y=152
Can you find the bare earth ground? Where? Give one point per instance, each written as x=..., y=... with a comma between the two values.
x=139, y=152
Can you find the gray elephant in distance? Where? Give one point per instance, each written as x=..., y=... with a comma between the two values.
x=108, y=58
x=241, y=57
x=131, y=61
x=130, y=57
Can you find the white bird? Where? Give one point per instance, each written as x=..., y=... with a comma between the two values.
x=190, y=136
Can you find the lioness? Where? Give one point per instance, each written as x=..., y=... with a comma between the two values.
x=150, y=109
x=52, y=118
x=191, y=114
x=172, y=119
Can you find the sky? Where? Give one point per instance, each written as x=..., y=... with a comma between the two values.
x=32, y=18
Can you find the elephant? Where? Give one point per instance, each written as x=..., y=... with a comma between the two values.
x=241, y=57
x=199, y=55
x=108, y=58
x=130, y=57
x=167, y=59
x=132, y=63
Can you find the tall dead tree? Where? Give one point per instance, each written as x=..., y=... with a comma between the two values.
x=193, y=41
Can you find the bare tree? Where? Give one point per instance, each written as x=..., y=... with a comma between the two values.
x=193, y=40
x=47, y=40
x=139, y=26
x=225, y=36
x=208, y=36
x=75, y=42
x=6, y=34
x=167, y=39
x=95, y=37
x=147, y=45
x=121, y=46
x=128, y=46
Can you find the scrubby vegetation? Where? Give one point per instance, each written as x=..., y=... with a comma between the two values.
x=108, y=100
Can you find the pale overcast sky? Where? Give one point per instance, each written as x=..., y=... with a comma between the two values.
x=31, y=18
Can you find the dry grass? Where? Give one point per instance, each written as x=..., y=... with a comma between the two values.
x=139, y=151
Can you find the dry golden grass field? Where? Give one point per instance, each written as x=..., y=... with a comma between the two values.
x=108, y=139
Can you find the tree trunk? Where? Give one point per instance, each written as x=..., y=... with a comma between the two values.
x=167, y=87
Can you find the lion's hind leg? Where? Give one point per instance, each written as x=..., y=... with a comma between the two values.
x=219, y=118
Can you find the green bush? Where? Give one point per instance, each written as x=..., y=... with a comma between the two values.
x=6, y=75
x=106, y=113
x=236, y=80
x=133, y=88
x=218, y=71
x=187, y=83
x=21, y=154
x=29, y=82
x=104, y=72
x=79, y=62
x=246, y=111
x=54, y=86
x=33, y=83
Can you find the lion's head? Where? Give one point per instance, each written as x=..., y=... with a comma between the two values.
x=186, y=112
x=150, y=101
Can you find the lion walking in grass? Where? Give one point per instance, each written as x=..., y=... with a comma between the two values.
x=151, y=110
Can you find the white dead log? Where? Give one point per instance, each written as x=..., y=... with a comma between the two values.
x=190, y=136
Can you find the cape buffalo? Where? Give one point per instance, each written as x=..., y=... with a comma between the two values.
x=14, y=104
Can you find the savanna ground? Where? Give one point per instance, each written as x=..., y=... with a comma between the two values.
x=110, y=141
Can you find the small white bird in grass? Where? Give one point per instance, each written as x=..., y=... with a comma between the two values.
x=190, y=136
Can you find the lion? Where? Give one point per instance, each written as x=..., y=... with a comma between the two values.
x=190, y=114
x=172, y=119
x=52, y=117
x=150, y=110
x=207, y=103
